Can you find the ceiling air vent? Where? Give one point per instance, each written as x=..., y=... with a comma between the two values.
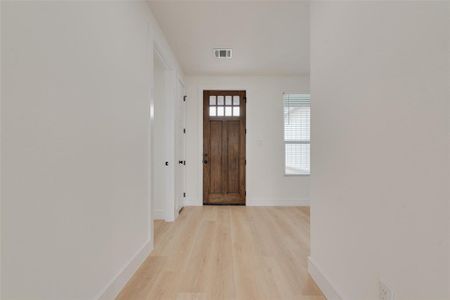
x=222, y=53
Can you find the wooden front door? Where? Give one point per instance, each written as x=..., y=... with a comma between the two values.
x=224, y=147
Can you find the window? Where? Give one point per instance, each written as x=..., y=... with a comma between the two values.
x=220, y=106
x=297, y=122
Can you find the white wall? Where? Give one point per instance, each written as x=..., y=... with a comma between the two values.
x=380, y=148
x=75, y=211
x=266, y=182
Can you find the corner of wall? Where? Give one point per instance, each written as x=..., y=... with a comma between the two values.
x=114, y=287
x=327, y=288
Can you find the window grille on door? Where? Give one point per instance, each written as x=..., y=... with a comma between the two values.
x=224, y=106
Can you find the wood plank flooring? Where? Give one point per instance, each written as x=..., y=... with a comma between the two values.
x=228, y=252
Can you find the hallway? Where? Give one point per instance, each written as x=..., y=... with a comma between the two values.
x=228, y=252
x=122, y=122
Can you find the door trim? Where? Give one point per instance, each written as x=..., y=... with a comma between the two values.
x=242, y=144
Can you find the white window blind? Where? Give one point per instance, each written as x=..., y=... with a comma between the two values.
x=297, y=124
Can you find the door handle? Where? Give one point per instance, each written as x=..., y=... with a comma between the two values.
x=180, y=162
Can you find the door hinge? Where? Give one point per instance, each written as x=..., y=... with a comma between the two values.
x=184, y=98
x=184, y=195
x=245, y=130
x=245, y=162
x=245, y=193
x=184, y=130
x=245, y=99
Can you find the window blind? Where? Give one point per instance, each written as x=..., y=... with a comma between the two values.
x=297, y=125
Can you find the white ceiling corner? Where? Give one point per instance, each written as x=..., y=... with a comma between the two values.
x=267, y=37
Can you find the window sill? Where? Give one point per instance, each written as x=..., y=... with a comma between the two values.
x=289, y=175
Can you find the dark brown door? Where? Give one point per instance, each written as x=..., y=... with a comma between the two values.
x=224, y=147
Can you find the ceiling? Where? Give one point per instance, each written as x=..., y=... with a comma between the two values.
x=267, y=37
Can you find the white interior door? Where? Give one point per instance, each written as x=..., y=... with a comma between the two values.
x=160, y=144
x=180, y=149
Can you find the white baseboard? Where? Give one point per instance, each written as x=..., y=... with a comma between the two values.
x=111, y=291
x=277, y=202
x=158, y=214
x=322, y=281
x=188, y=202
x=259, y=202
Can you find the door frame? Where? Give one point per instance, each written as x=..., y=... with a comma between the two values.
x=171, y=77
x=204, y=103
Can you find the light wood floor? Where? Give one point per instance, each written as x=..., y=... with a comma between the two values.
x=228, y=252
